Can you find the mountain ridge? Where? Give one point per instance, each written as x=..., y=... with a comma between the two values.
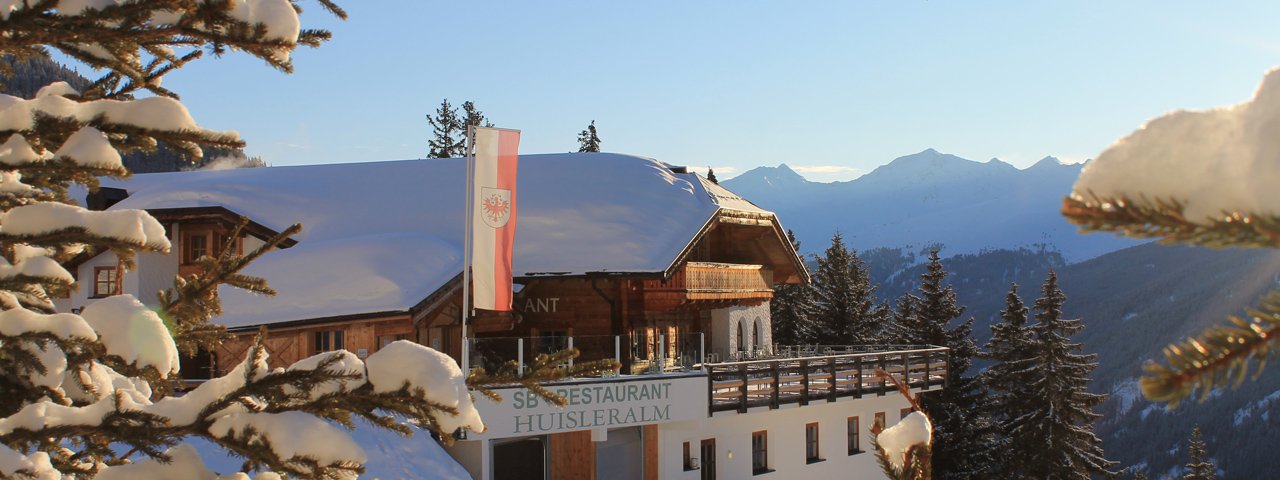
x=930, y=197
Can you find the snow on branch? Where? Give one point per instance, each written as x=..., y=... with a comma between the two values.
x=40, y=223
x=1201, y=177
x=131, y=331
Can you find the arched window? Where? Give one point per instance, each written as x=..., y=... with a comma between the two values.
x=742, y=346
x=760, y=345
x=755, y=335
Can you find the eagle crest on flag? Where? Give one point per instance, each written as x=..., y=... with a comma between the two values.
x=495, y=206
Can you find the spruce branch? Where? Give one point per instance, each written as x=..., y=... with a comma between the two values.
x=194, y=301
x=1164, y=219
x=1222, y=355
x=544, y=369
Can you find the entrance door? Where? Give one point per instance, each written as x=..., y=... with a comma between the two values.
x=523, y=459
x=709, y=459
x=621, y=455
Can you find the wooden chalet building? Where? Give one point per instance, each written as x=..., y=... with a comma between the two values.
x=619, y=256
x=606, y=245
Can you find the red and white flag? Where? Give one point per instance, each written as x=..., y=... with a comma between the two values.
x=493, y=217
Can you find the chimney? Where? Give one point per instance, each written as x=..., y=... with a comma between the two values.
x=105, y=197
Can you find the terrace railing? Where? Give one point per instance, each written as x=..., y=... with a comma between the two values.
x=681, y=352
x=802, y=379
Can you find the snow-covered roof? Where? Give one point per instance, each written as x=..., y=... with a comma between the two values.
x=382, y=236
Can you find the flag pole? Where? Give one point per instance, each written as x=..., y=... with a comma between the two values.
x=469, y=157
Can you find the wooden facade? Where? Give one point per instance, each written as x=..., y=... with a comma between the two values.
x=735, y=261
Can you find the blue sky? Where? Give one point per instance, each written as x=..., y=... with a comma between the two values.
x=838, y=87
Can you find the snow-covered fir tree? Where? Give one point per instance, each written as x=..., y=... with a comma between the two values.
x=448, y=132
x=589, y=139
x=963, y=433
x=1011, y=351
x=792, y=309
x=1199, y=467
x=846, y=309
x=90, y=394
x=711, y=176
x=1055, y=420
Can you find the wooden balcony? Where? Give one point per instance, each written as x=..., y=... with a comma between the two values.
x=739, y=386
x=709, y=281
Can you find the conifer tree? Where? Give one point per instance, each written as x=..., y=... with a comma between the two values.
x=1011, y=351
x=1198, y=465
x=472, y=117
x=1056, y=418
x=589, y=140
x=792, y=309
x=711, y=175
x=1140, y=475
x=88, y=394
x=449, y=133
x=846, y=308
x=964, y=434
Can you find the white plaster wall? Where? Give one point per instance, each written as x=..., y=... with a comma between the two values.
x=723, y=340
x=84, y=282
x=786, y=447
x=153, y=272
x=470, y=454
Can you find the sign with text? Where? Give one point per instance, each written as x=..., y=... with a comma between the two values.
x=607, y=403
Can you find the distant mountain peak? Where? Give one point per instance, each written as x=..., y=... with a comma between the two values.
x=1048, y=162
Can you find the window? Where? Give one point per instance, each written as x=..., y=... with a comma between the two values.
x=327, y=340
x=197, y=246
x=742, y=346
x=688, y=458
x=878, y=425
x=760, y=452
x=855, y=442
x=106, y=281
x=755, y=333
x=811, y=450
x=384, y=340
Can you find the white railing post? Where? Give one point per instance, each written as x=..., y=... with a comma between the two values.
x=662, y=353
x=520, y=355
x=570, y=348
x=702, y=348
x=617, y=349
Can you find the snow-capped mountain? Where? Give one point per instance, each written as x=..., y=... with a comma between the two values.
x=930, y=197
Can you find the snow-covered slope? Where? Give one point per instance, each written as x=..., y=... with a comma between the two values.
x=930, y=197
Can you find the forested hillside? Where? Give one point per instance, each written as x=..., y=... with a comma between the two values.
x=1133, y=303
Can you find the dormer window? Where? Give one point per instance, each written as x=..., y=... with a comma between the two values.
x=197, y=246
x=199, y=240
x=106, y=281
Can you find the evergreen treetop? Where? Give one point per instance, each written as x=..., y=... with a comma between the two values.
x=711, y=176
x=588, y=139
x=1054, y=421
x=846, y=307
x=792, y=310
x=1198, y=465
x=448, y=132
x=964, y=435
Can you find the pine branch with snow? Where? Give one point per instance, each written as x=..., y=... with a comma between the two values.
x=544, y=368
x=1203, y=178
x=90, y=394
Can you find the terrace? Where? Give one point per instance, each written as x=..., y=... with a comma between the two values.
x=771, y=377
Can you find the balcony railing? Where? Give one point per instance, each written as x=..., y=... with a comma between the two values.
x=738, y=386
x=714, y=281
x=640, y=355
